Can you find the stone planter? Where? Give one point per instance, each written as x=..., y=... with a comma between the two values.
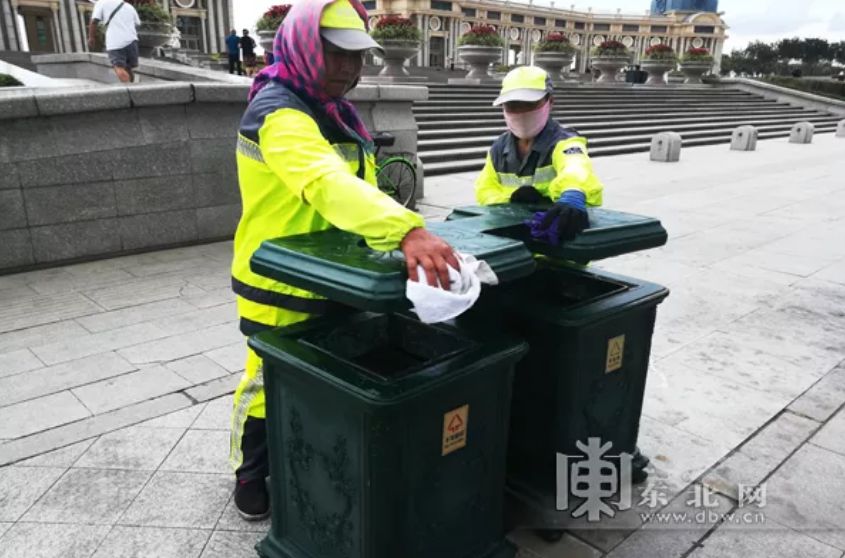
x=609, y=66
x=479, y=59
x=556, y=64
x=396, y=52
x=265, y=40
x=694, y=70
x=657, y=70
x=152, y=36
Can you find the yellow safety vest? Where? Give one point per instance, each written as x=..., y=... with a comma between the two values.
x=299, y=173
x=558, y=162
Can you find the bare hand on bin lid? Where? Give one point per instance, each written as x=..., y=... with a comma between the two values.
x=563, y=221
x=422, y=248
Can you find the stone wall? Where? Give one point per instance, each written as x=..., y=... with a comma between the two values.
x=96, y=67
x=89, y=173
x=787, y=95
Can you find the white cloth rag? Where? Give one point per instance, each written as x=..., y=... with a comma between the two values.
x=434, y=304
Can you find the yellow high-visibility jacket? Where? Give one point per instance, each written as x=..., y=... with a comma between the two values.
x=558, y=162
x=299, y=173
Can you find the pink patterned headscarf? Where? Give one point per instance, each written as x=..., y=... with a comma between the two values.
x=300, y=66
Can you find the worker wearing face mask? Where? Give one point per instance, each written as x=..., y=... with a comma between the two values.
x=538, y=160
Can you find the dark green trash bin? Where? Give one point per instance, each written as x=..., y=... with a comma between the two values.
x=589, y=334
x=387, y=437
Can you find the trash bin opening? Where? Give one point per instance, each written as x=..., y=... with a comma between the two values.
x=569, y=289
x=519, y=232
x=389, y=346
x=515, y=232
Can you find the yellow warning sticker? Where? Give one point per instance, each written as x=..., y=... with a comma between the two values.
x=615, y=350
x=455, y=429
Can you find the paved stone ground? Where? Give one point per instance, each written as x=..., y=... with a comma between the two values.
x=115, y=377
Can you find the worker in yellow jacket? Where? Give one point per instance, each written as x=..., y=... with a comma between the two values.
x=538, y=160
x=306, y=163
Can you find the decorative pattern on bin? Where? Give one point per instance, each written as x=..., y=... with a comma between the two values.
x=329, y=531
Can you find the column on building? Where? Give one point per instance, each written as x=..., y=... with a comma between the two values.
x=211, y=26
x=58, y=40
x=72, y=14
x=204, y=34
x=9, y=27
x=420, y=26
x=426, y=38
x=222, y=31
x=67, y=38
x=79, y=15
x=215, y=12
x=454, y=30
x=717, y=56
x=526, y=45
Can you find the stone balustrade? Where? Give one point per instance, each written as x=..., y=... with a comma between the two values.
x=93, y=172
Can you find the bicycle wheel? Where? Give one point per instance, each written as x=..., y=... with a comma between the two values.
x=397, y=178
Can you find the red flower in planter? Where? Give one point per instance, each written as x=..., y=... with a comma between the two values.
x=556, y=37
x=272, y=18
x=612, y=45
x=393, y=21
x=395, y=28
x=482, y=29
x=660, y=52
x=278, y=11
x=481, y=35
x=659, y=49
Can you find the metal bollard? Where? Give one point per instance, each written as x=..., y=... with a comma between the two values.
x=840, y=129
x=744, y=138
x=666, y=147
x=802, y=132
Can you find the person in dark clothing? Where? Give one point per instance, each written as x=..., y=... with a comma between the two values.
x=233, y=46
x=248, y=49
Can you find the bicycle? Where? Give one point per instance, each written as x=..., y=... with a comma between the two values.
x=396, y=176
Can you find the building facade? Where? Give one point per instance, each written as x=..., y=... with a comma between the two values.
x=682, y=24
x=61, y=25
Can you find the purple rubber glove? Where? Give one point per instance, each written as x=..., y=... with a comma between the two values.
x=562, y=222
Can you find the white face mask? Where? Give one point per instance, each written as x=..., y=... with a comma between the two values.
x=527, y=125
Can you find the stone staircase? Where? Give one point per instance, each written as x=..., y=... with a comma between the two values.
x=457, y=124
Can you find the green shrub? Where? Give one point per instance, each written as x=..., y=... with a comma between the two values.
x=697, y=55
x=395, y=28
x=150, y=11
x=8, y=81
x=481, y=35
x=834, y=89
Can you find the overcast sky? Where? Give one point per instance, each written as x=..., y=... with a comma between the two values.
x=749, y=20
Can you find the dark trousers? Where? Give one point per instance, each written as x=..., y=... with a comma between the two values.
x=235, y=63
x=256, y=464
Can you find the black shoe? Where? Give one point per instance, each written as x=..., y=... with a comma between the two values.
x=550, y=535
x=638, y=476
x=252, y=499
x=640, y=461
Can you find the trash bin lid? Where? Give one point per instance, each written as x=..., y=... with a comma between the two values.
x=340, y=266
x=611, y=233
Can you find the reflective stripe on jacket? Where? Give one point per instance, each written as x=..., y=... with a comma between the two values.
x=558, y=161
x=299, y=173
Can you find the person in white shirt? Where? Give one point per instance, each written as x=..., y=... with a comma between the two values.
x=121, y=21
